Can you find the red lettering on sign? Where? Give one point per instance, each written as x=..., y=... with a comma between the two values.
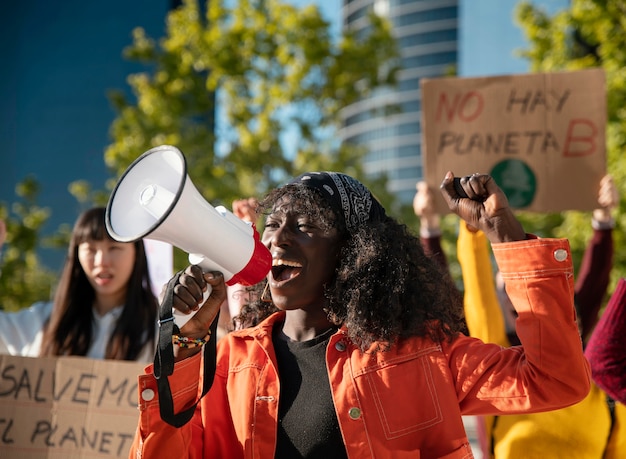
x=580, y=139
x=467, y=107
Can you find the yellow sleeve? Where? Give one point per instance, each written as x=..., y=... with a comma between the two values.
x=482, y=310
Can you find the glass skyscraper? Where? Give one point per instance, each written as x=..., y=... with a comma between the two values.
x=426, y=31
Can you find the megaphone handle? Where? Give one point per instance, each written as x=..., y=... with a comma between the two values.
x=181, y=319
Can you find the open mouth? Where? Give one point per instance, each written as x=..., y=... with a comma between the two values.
x=283, y=270
x=103, y=277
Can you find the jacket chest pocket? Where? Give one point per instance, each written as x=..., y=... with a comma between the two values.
x=403, y=395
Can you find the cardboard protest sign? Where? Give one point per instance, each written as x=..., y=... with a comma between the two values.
x=541, y=136
x=67, y=407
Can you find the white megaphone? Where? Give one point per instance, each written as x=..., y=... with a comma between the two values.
x=155, y=199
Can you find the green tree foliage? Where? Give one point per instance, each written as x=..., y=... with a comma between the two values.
x=23, y=280
x=276, y=77
x=590, y=33
x=251, y=94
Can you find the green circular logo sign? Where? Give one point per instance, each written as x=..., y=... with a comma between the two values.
x=517, y=180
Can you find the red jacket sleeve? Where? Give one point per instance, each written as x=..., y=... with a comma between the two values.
x=592, y=280
x=432, y=249
x=606, y=350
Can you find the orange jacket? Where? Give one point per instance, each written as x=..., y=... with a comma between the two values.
x=404, y=403
x=529, y=435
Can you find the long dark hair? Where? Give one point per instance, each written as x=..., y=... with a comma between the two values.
x=385, y=288
x=69, y=329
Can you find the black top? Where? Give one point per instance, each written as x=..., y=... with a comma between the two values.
x=307, y=422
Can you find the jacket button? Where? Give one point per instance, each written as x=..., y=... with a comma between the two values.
x=340, y=346
x=560, y=255
x=354, y=413
x=147, y=395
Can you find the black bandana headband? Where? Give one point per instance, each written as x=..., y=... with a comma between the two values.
x=346, y=195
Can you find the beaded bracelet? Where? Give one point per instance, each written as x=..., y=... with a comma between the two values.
x=189, y=343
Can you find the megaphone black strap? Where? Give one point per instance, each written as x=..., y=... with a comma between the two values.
x=164, y=357
x=164, y=360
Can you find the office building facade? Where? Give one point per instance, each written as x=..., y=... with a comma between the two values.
x=427, y=32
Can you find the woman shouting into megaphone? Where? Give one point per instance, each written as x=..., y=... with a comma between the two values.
x=354, y=344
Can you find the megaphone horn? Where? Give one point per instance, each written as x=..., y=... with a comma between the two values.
x=156, y=199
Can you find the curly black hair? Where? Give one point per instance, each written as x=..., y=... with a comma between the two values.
x=384, y=289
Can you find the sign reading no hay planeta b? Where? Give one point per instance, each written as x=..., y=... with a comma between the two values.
x=541, y=136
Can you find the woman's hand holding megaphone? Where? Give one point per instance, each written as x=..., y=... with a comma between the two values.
x=188, y=297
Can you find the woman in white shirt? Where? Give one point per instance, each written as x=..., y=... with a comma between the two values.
x=103, y=308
